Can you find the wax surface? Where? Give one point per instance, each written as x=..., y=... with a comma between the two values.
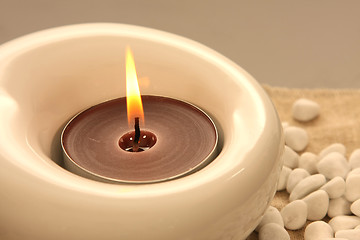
x=185, y=138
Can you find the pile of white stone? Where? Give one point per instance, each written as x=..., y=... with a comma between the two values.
x=318, y=185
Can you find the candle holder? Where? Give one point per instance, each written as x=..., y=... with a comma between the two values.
x=49, y=76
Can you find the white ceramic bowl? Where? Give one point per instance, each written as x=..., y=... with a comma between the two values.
x=49, y=76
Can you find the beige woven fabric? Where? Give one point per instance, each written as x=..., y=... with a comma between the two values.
x=339, y=121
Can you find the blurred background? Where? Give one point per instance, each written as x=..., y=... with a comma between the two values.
x=307, y=44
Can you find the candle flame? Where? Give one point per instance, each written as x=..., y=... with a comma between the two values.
x=133, y=97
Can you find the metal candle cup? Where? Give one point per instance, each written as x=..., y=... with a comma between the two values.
x=185, y=140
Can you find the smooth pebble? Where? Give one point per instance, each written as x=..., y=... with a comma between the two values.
x=335, y=147
x=284, y=124
x=317, y=205
x=272, y=215
x=318, y=230
x=333, y=239
x=296, y=138
x=305, y=110
x=295, y=177
x=335, y=187
x=294, y=214
x=273, y=231
x=291, y=158
x=354, y=171
x=284, y=175
x=344, y=222
x=354, y=159
x=308, y=161
x=351, y=234
x=352, y=192
x=355, y=208
x=339, y=206
x=306, y=186
x=332, y=165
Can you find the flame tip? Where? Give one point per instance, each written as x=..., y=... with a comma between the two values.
x=133, y=97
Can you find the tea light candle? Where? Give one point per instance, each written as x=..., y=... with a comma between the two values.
x=178, y=138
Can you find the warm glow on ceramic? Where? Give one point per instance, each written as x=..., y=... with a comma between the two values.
x=133, y=98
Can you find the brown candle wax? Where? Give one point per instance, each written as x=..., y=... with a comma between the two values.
x=184, y=139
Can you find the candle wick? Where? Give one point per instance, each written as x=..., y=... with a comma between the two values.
x=137, y=135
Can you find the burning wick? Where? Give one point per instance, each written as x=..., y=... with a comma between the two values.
x=136, y=142
x=133, y=99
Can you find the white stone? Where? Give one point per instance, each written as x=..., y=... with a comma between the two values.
x=291, y=158
x=354, y=171
x=308, y=161
x=305, y=110
x=352, y=192
x=335, y=187
x=284, y=175
x=317, y=205
x=317, y=231
x=333, y=238
x=351, y=234
x=296, y=138
x=294, y=214
x=271, y=215
x=295, y=177
x=339, y=206
x=354, y=159
x=306, y=186
x=344, y=222
x=335, y=147
x=355, y=208
x=284, y=124
x=273, y=231
x=332, y=165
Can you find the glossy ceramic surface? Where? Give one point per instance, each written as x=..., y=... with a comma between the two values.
x=49, y=76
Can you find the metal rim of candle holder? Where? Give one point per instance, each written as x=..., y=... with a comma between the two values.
x=94, y=176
